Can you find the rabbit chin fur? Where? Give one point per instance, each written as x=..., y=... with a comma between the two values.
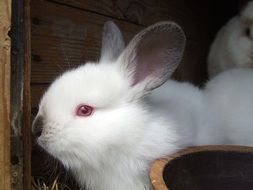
x=231, y=94
x=232, y=47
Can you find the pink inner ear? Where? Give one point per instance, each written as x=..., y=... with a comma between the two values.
x=157, y=56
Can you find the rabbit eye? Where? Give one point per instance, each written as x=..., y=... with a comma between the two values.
x=84, y=110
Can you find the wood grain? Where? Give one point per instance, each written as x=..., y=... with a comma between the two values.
x=5, y=46
x=27, y=99
x=36, y=94
x=143, y=12
x=146, y=12
x=67, y=36
x=63, y=37
x=191, y=15
x=17, y=104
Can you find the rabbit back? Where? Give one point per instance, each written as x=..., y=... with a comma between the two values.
x=195, y=119
x=231, y=93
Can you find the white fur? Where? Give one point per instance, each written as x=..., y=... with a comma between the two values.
x=196, y=119
x=231, y=93
x=113, y=148
x=232, y=48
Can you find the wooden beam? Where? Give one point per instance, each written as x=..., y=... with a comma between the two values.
x=27, y=98
x=67, y=33
x=5, y=46
x=143, y=12
x=20, y=96
x=16, y=100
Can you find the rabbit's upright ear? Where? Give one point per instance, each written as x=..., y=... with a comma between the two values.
x=153, y=54
x=112, y=42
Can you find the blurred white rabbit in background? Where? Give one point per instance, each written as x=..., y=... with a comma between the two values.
x=233, y=44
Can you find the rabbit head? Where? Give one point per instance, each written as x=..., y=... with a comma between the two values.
x=233, y=45
x=89, y=111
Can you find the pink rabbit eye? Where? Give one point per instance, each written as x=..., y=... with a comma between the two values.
x=84, y=110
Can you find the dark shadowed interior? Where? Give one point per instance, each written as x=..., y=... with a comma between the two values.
x=216, y=170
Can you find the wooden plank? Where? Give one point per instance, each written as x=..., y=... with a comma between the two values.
x=20, y=96
x=17, y=62
x=27, y=142
x=64, y=37
x=144, y=12
x=48, y=60
x=36, y=94
x=5, y=46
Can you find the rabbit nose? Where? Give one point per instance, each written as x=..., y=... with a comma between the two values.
x=37, y=126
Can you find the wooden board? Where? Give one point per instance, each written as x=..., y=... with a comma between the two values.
x=66, y=36
x=191, y=15
x=5, y=46
x=146, y=12
x=17, y=78
x=20, y=96
x=27, y=99
x=143, y=12
x=36, y=94
x=63, y=37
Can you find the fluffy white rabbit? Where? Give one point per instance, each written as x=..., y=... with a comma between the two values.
x=101, y=121
x=231, y=94
x=233, y=45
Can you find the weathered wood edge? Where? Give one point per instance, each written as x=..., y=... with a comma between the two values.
x=27, y=98
x=5, y=47
x=20, y=95
x=156, y=171
x=17, y=78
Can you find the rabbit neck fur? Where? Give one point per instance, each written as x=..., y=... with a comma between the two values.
x=126, y=167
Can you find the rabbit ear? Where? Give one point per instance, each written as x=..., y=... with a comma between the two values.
x=153, y=54
x=112, y=42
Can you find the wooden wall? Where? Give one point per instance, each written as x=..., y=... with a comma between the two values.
x=5, y=47
x=66, y=33
x=20, y=95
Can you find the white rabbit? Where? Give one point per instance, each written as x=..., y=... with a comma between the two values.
x=233, y=45
x=231, y=94
x=101, y=121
